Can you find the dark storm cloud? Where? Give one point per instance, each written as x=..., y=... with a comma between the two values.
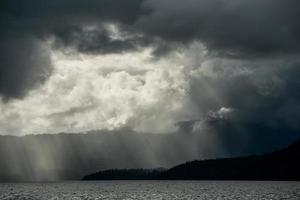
x=96, y=41
x=228, y=28
x=231, y=28
x=65, y=18
x=35, y=11
x=24, y=64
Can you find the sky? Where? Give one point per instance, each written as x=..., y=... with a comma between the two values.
x=230, y=67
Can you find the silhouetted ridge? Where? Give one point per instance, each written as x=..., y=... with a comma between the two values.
x=125, y=174
x=279, y=165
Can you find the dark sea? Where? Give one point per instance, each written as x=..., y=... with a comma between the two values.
x=167, y=190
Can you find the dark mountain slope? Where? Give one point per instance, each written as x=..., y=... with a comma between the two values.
x=279, y=165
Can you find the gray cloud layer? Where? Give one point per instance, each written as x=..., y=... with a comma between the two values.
x=236, y=28
x=233, y=28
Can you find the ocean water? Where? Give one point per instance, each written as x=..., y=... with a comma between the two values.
x=167, y=190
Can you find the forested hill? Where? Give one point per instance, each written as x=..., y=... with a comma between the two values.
x=279, y=165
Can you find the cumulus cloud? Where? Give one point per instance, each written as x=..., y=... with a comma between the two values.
x=91, y=93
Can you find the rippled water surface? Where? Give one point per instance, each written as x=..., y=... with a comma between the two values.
x=151, y=190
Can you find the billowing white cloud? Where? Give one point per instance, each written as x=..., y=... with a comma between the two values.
x=88, y=92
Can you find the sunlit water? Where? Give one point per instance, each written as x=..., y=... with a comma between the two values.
x=151, y=190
